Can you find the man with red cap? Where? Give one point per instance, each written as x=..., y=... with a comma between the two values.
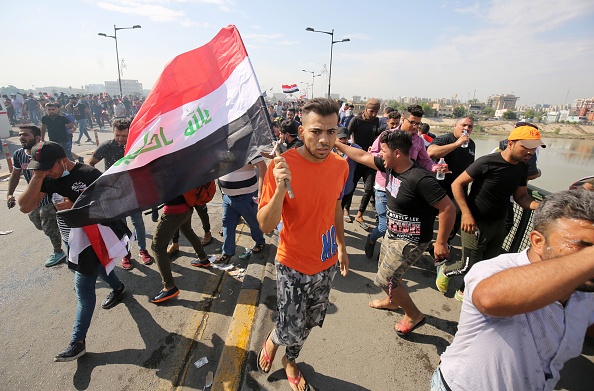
x=494, y=177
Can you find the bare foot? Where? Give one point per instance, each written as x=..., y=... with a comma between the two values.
x=293, y=372
x=384, y=304
x=410, y=323
x=271, y=349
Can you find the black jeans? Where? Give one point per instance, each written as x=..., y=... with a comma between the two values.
x=368, y=175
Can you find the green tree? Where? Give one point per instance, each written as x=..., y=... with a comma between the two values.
x=489, y=111
x=459, y=111
x=427, y=109
x=509, y=115
x=530, y=114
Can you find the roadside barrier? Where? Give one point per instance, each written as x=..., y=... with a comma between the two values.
x=96, y=136
x=7, y=154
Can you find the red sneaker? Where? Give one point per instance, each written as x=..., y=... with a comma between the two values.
x=145, y=257
x=127, y=262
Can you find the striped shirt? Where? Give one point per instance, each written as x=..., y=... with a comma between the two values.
x=242, y=181
x=521, y=352
x=21, y=162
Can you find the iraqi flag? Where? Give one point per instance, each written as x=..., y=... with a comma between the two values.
x=204, y=118
x=290, y=88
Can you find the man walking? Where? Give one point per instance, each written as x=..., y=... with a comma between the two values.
x=55, y=173
x=494, y=179
x=111, y=151
x=363, y=130
x=80, y=112
x=525, y=315
x=413, y=196
x=312, y=239
x=58, y=128
x=44, y=215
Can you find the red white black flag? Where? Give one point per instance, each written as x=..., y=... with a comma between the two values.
x=204, y=118
x=290, y=88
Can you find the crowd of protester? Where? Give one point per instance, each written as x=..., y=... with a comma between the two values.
x=410, y=176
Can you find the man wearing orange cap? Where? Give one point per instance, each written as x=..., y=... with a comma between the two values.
x=494, y=179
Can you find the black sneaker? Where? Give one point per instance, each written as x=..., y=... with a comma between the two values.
x=369, y=247
x=74, y=351
x=113, y=298
x=165, y=295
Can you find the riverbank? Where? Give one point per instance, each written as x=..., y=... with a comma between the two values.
x=568, y=131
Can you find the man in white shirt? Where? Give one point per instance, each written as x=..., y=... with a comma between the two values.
x=525, y=315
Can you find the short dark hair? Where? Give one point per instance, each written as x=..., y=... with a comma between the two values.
x=291, y=110
x=50, y=104
x=33, y=129
x=321, y=106
x=121, y=124
x=388, y=110
x=397, y=140
x=415, y=110
x=290, y=127
x=569, y=204
x=424, y=128
x=394, y=115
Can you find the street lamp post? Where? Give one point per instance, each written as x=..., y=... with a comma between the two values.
x=313, y=80
x=115, y=37
x=331, y=34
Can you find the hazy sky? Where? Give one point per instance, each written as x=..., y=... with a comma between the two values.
x=536, y=49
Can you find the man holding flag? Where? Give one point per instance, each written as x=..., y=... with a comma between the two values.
x=312, y=241
x=93, y=253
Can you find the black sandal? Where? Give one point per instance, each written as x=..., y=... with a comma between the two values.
x=223, y=258
x=258, y=248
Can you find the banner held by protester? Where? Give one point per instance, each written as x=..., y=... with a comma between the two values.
x=204, y=118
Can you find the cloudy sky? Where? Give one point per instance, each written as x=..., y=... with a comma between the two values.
x=536, y=49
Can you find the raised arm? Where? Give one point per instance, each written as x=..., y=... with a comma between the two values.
x=32, y=195
x=528, y=288
x=270, y=214
x=358, y=155
x=438, y=151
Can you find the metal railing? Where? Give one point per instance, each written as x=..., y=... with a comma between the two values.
x=518, y=237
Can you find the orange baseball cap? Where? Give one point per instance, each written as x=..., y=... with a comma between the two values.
x=528, y=136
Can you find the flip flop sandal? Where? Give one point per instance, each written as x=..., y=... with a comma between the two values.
x=348, y=219
x=363, y=225
x=223, y=258
x=405, y=329
x=267, y=358
x=258, y=248
x=296, y=380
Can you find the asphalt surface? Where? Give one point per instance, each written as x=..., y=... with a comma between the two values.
x=218, y=316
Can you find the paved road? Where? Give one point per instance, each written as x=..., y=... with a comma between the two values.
x=138, y=346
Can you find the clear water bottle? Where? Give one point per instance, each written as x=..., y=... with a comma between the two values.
x=465, y=144
x=57, y=198
x=439, y=175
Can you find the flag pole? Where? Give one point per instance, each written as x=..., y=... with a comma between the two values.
x=276, y=144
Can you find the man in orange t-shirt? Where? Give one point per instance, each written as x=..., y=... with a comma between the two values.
x=312, y=237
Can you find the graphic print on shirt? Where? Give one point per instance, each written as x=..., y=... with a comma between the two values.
x=329, y=244
x=393, y=185
x=403, y=227
x=79, y=187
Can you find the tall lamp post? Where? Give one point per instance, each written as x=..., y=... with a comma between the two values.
x=115, y=37
x=313, y=80
x=331, y=34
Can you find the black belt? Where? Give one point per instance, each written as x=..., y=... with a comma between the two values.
x=443, y=380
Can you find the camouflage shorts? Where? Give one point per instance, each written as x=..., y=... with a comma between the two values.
x=396, y=257
x=302, y=302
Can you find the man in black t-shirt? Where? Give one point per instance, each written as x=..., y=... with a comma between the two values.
x=412, y=194
x=494, y=179
x=363, y=130
x=80, y=112
x=289, y=131
x=450, y=146
x=54, y=173
x=58, y=128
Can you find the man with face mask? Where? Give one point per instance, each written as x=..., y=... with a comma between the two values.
x=54, y=173
x=44, y=215
x=524, y=315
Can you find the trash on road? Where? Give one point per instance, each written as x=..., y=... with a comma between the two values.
x=202, y=362
x=5, y=232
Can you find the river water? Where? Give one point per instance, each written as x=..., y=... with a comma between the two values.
x=562, y=162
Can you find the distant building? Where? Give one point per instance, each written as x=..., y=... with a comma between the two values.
x=581, y=107
x=502, y=101
x=356, y=99
x=476, y=109
x=129, y=87
x=442, y=110
x=96, y=88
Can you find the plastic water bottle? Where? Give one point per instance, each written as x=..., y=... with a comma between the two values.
x=465, y=144
x=57, y=198
x=440, y=176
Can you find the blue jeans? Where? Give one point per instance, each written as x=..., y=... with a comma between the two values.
x=34, y=116
x=139, y=230
x=82, y=129
x=85, y=296
x=68, y=149
x=380, y=207
x=233, y=208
